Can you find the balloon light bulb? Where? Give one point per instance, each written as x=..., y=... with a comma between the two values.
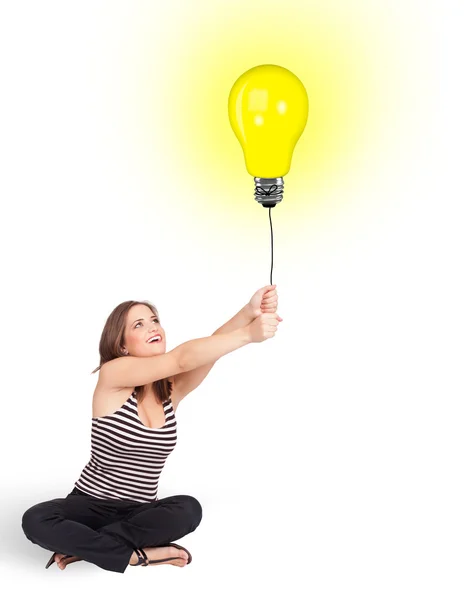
x=268, y=111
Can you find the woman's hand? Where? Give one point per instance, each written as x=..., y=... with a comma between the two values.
x=263, y=327
x=263, y=301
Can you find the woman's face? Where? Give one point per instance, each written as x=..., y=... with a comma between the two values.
x=141, y=325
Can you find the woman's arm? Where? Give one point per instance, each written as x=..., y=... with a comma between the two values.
x=186, y=382
x=202, y=351
x=266, y=299
x=241, y=319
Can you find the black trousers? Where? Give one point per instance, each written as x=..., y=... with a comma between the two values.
x=106, y=532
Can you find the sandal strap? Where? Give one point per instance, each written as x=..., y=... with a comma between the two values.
x=143, y=558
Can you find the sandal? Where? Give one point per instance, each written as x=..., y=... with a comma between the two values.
x=52, y=559
x=143, y=558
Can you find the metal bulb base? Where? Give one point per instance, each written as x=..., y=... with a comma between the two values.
x=268, y=192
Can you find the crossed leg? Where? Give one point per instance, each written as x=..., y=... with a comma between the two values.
x=152, y=526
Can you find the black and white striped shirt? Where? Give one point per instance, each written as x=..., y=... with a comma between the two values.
x=127, y=457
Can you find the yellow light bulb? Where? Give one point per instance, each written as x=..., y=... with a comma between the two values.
x=268, y=110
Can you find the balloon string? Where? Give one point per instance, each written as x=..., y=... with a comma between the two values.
x=263, y=192
x=272, y=243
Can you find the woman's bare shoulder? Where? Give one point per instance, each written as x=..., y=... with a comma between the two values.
x=107, y=400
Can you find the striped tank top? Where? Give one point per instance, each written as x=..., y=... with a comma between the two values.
x=127, y=457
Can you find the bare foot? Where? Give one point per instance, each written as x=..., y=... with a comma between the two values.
x=178, y=557
x=61, y=561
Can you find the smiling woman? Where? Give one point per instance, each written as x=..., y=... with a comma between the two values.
x=127, y=458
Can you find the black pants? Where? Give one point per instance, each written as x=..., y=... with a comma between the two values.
x=106, y=532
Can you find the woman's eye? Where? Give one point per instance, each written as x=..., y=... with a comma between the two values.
x=155, y=319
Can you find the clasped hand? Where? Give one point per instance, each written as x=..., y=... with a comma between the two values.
x=265, y=300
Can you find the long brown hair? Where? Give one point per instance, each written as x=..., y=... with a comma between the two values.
x=112, y=340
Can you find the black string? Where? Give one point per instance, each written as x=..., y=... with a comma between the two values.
x=272, y=243
x=263, y=192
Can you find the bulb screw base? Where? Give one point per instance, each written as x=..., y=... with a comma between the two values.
x=268, y=192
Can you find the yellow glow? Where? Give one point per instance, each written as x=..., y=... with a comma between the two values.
x=269, y=137
x=349, y=57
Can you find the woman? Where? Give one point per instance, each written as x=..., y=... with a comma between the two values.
x=113, y=517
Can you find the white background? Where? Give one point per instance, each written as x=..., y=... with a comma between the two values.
x=328, y=460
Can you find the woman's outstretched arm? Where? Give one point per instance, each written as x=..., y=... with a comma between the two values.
x=243, y=318
x=264, y=300
x=186, y=382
